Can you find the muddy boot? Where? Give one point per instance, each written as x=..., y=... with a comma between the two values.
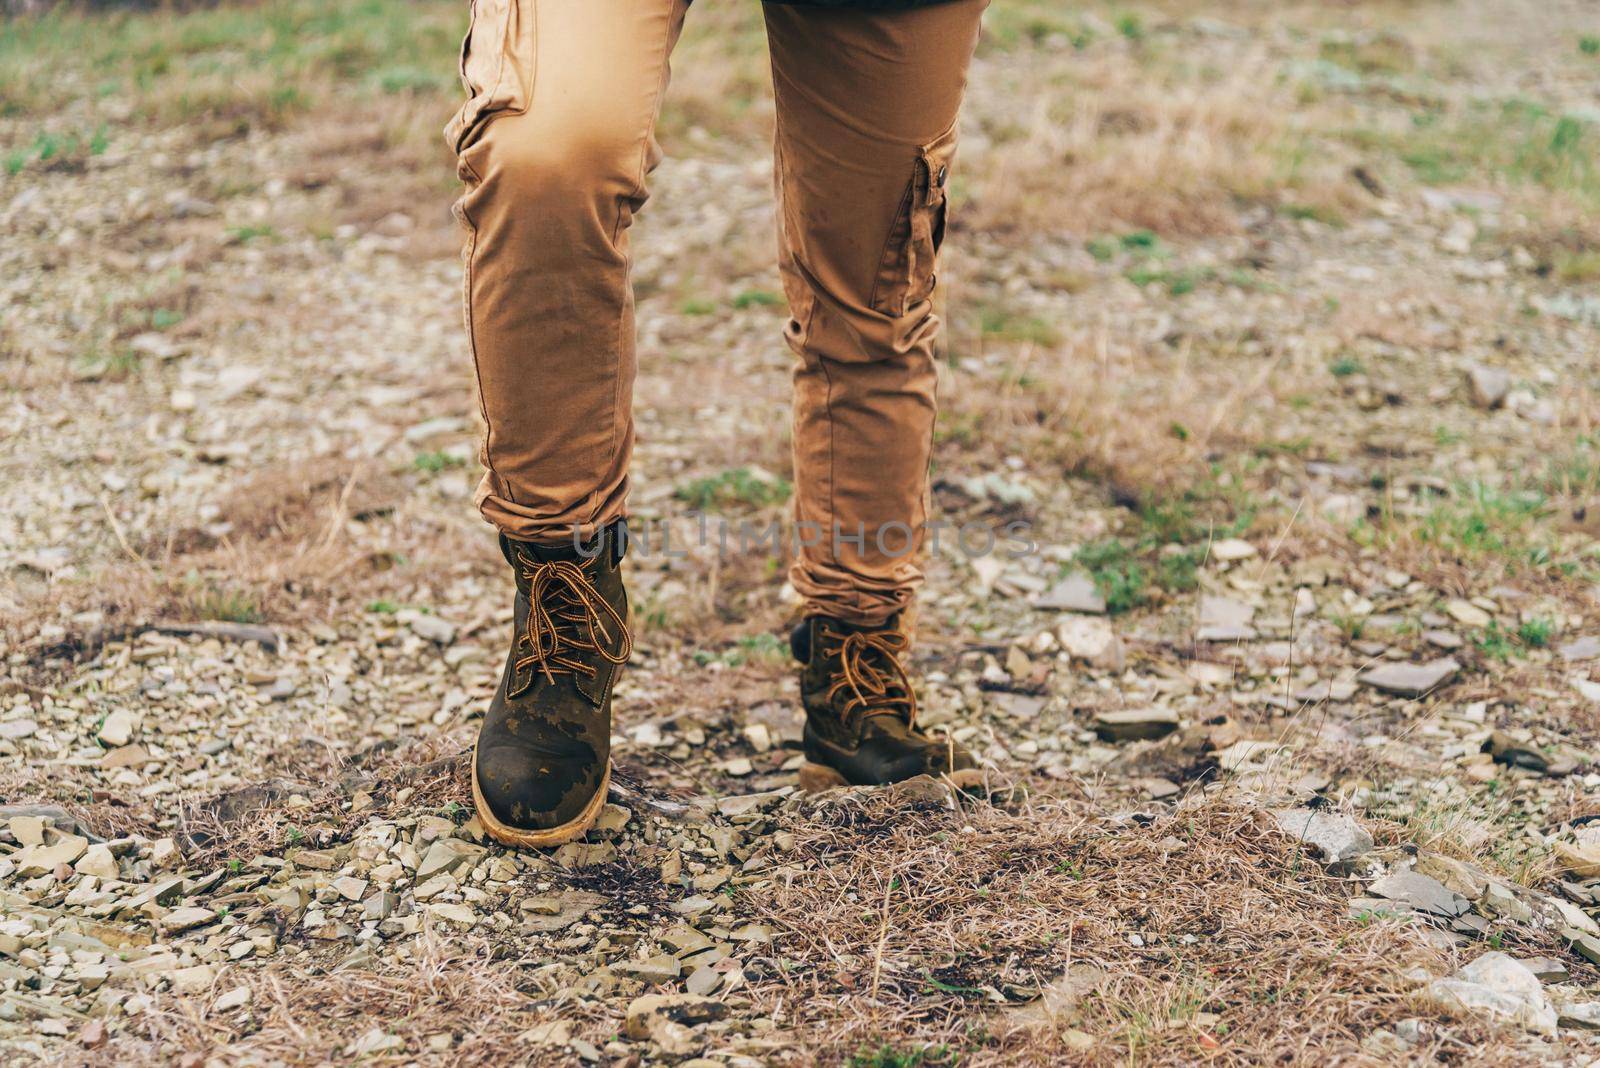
x=543, y=759
x=861, y=711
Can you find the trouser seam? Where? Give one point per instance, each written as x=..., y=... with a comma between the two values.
x=619, y=418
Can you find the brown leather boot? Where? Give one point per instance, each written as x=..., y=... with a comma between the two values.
x=543, y=759
x=861, y=710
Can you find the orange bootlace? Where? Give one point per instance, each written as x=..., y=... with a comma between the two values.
x=567, y=616
x=870, y=668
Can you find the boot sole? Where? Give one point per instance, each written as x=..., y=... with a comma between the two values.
x=814, y=778
x=573, y=829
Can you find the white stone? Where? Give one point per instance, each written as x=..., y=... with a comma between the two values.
x=118, y=728
x=1498, y=986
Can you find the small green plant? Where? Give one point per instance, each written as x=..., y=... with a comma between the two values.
x=1117, y=573
x=115, y=367
x=1103, y=249
x=293, y=836
x=757, y=298
x=1351, y=626
x=1481, y=520
x=1131, y=27
x=738, y=487
x=1006, y=324
x=1179, y=281
x=1589, y=44
x=763, y=646
x=436, y=461
x=1345, y=366
x=1536, y=633
x=887, y=1056
x=1179, y=572
x=241, y=235
x=384, y=608
x=165, y=318
x=1494, y=642
x=697, y=306
x=1315, y=213
x=235, y=867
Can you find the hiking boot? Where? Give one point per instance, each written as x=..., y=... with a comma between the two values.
x=861, y=711
x=543, y=759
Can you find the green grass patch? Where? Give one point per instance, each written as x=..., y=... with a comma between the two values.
x=1522, y=141
x=757, y=298
x=890, y=1056
x=1163, y=551
x=736, y=489
x=1178, y=281
x=1007, y=324
x=436, y=461
x=51, y=149
x=254, y=64
x=1031, y=23
x=1536, y=633
x=1482, y=521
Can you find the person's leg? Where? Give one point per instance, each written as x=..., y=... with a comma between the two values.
x=554, y=146
x=867, y=107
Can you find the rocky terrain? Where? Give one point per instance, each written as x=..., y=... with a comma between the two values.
x=1276, y=327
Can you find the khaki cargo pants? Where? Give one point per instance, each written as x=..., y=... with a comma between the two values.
x=555, y=145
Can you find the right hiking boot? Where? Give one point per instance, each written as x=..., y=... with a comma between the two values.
x=542, y=764
x=861, y=711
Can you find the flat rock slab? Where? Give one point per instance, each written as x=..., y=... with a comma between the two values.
x=1497, y=986
x=1422, y=892
x=1223, y=619
x=1336, y=838
x=1411, y=680
x=1585, y=648
x=1075, y=593
x=1332, y=690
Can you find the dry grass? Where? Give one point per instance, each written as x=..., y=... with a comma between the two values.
x=917, y=927
x=297, y=540
x=1098, y=404
x=1120, y=144
x=450, y=1003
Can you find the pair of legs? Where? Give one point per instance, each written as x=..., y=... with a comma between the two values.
x=556, y=145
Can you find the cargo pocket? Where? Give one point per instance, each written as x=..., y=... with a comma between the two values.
x=906, y=273
x=497, y=58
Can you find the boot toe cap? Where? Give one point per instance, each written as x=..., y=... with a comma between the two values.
x=527, y=793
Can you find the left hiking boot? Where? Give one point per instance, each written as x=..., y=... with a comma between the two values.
x=861, y=710
x=542, y=764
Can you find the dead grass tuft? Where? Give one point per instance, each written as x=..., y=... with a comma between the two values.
x=475, y=1007
x=1131, y=146
x=1195, y=935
